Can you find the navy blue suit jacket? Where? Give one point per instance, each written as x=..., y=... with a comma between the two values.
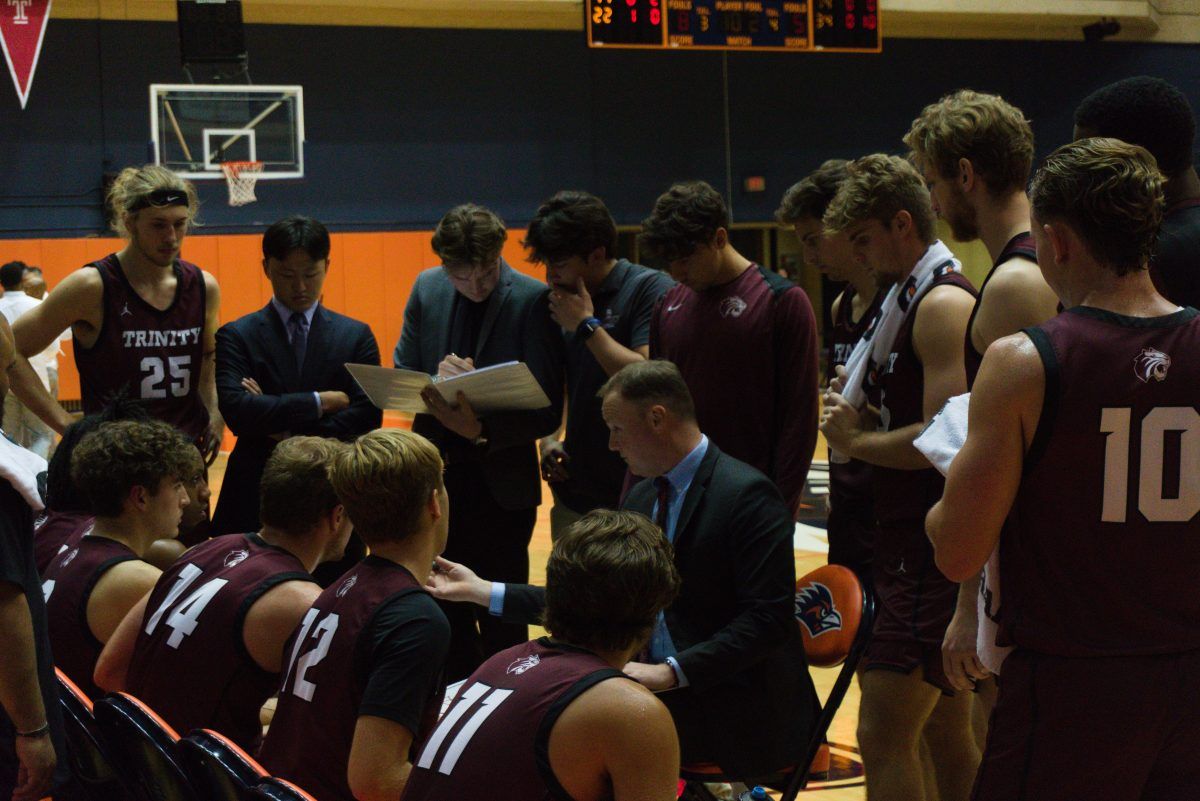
x=256, y=346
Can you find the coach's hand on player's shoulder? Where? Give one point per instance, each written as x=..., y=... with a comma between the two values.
x=459, y=417
x=554, y=459
x=569, y=309
x=450, y=581
x=840, y=422
x=960, y=657
x=655, y=678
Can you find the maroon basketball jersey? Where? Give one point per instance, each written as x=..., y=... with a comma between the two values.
x=190, y=662
x=67, y=584
x=897, y=389
x=1020, y=246
x=155, y=354
x=58, y=532
x=328, y=665
x=496, y=733
x=849, y=480
x=1100, y=552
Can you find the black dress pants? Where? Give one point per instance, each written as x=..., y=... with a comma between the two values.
x=494, y=542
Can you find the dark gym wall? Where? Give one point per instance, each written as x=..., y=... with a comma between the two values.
x=404, y=123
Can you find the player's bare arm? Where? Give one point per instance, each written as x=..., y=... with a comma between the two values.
x=616, y=741
x=208, y=369
x=379, y=759
x=964, y=526
x=112, y=666
x=21, y=697
x=118, y=590
x=78, y=304
x=272, y=619
x=1017, y=297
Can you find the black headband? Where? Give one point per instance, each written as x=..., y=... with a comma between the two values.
x=160, y=198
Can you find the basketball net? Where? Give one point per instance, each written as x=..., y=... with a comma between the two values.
x=241, y=177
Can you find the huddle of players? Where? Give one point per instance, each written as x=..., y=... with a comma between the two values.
x=877, y=213
x=1040, y=490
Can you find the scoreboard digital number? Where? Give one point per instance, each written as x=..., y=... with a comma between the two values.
x=790, y=25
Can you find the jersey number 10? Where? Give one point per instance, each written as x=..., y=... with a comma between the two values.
x=1115, y=422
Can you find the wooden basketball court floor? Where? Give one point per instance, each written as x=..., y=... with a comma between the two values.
x=845, y=782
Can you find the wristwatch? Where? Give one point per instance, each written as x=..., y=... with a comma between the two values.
x=588, y=327
x=481, y=441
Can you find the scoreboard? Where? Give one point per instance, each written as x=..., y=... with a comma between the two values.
x=788, y=25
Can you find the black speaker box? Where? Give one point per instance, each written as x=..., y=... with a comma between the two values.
x=210, y=31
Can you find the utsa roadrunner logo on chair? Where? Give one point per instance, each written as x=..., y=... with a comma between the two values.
x=816, y=610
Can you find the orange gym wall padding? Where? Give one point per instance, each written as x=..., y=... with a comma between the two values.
x=370, y=275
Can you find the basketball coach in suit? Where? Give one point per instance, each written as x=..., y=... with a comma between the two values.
x=281, y=370
x=472, y=312
x=727, y=654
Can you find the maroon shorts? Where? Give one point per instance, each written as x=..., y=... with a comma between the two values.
x=1101, y=729
x=903, y=657
x=851, y=537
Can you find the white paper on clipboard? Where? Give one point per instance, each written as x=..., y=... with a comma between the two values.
x=498, y=388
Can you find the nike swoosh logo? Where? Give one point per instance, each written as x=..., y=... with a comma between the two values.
x=676, y=306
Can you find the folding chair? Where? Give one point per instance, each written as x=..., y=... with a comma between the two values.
x=276, y=789
x=90, y=767
x=836, y=615
x=218, y=769
x=143, y=748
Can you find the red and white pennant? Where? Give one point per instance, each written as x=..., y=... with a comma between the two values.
x=22, y=26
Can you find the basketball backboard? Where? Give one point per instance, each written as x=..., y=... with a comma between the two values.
x=196, y=127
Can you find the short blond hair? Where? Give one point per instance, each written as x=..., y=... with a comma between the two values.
x=1110, y=193
x=295, y=492
x=878, y=187
x=384, y=478
x=134, y=184
x=985, y=129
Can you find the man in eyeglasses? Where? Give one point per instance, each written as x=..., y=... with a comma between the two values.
x=474, y=311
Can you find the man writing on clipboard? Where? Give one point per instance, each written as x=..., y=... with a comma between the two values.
x=475, y=311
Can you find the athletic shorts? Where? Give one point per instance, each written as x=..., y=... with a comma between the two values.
x=904, y=657
x=851, y=539
x=1094, y=729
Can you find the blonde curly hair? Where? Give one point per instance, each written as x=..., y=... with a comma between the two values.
x=134, y=184
x=878, y=187
x=1110, y=193
x=985, y=129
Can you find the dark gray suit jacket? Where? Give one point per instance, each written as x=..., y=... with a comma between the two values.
x=750, y=705
x=256, y=346
x=516, y=327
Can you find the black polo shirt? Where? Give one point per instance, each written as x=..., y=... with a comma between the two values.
x=624, y=303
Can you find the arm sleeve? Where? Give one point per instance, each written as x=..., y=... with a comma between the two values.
x=764, y=582
x=543, y=354
x=407, y=354
x=410, y=639
x=246, y=413
x=361, y=415
x=796, y=393
x=524, y=604
x=655, y=286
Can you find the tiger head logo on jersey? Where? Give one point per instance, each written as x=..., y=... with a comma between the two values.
x=346, y=585
x=236, y=557
x=732, y=306
x=1151, y=363
x=521, y=665
x=814, y=608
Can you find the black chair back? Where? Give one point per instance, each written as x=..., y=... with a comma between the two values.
x=90, y=768
x=275, y=789
x=218, y=769
x=143, y=749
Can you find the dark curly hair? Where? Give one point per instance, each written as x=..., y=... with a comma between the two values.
x=608, y=577
x=61, y=493
x=1143, y=111
x=685, y=216
x=119, y=456
x=572, y=223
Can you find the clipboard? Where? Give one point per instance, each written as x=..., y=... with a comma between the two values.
x=498, y=388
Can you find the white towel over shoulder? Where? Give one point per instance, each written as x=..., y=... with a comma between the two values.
x=21, y=468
